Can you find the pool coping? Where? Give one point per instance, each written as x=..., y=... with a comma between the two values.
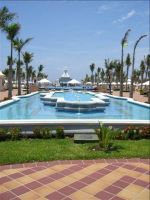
x=112, y=122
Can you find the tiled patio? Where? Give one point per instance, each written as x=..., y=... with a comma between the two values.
x=77, y=180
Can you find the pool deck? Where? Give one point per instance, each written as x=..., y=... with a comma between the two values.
x=105, y=179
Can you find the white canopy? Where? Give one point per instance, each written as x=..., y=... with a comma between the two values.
x=74, y=81
x=1, y=74
x=88, y=83
x=44, y=80
x=146, y=83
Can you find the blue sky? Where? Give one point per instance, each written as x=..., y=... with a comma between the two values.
x=73, y=34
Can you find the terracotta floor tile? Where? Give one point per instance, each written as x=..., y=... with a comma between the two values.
x=126, y=194
x=77, y=185
x=67, y=190
x=95, y=187
x=29, y=196
x=44, y=190
x=113, y=189
x=134, y=188
x=67, y=180
x=145, y=195
x=12, y=184
x=80, y=195
x=7, y=195
x=104, y=195
x=144, y=177
x=57, y=185
x=55, y=195
x=25, y=179
x=3, y=189
x=20, y=190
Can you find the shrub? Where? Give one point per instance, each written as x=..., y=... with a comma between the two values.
x=105, y=136
x=144, y=132
x=36, y=132
x=14, y=133
x=3, y=134
x=44, y=133
x=60, y=132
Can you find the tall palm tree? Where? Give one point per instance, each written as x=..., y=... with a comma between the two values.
x=102, y=75
x=123, y=43
x=33, y=75
x=40, y=70
x=128, y=64
x=11, y=30
x=147, y=63
x=5, y=17
x=18, y=45
x=109, y=71
x=117, y=67
x=133, y=61
x=92, y=67
x=27, y=57
x=98, y=73
x=142, y=70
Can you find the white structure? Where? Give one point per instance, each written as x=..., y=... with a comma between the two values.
x=44, y=83
x=65, y=78
x=146, y=83
x=2, y=81
x=74, y=82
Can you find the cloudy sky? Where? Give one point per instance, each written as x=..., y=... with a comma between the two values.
x=74, y=34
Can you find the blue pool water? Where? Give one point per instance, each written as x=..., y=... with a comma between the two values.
x=74, y=96
x=33, y=108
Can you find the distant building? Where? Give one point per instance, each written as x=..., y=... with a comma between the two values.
x=63, y=80
x=2, y=81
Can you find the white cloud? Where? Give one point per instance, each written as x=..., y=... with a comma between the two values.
x=127, y=16
x=103, y=8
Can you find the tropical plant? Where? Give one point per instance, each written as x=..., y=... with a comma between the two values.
x=133, y=61
x=142, y=70
x=5, y=17
x=11, y=30
x=102, y=75
x=92, y=67
x=27, y=57
x=123, y=43
x=60, y=132
x=15, y=133
x=18, y=45
x=105, y=136
x=40, y=71
x=128, y=64
x=98, y=73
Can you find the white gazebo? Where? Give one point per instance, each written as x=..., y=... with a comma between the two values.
x=2, y=81
x=88, y=83
x=74, y=82
x=44, y=83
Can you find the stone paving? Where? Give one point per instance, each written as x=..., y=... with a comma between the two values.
x=111, y=179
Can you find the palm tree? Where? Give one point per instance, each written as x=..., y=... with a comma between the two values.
x=123, y=43
x=11, y=30
x=18, y=45
x=27, y=57
x=128, y=63
x=98, y=73
x=5, y=17
x=109, y=71
x=133, y=61
x=147, y=63
x=33, y=75
x=40, y=72
x=142, y=70
x=92, y=67
x=117, y=71
x=102, y=75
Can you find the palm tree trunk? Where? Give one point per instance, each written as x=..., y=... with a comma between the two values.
x=27, y=78
x=132, y=78
x=19, y=75
x=10, y=73
x=141, y=81
x=121, y=73
x=127, y=77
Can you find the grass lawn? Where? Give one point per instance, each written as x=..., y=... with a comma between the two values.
x=31, y=150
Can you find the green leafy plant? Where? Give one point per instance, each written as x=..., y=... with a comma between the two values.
x=44, y=133
x=60, y=132
x=14, y=133
x=3, y=134
x=105, y=136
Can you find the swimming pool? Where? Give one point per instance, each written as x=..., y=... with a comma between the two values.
x=32, y=107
